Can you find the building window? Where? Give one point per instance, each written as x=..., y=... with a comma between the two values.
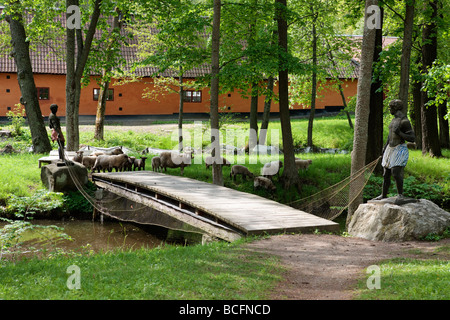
x=192, y=96
x=43, y=93
x=109, y=94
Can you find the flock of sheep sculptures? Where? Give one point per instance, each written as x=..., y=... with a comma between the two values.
x=116, y=159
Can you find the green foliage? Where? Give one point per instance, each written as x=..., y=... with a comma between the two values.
x=437, y=85
x=432, y=171
x=40, y=201
x=20, y=143
x=437, y=237
x=415, y=189
x=74, y=201
x=412, y=188
x=16, y=116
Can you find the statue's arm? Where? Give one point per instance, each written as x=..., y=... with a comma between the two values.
x=406, y=132
x=386, y=144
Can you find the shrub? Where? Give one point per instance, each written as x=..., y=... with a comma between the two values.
x=412, y=188
x=74, y=201
x=40, y=201
x=16, y=116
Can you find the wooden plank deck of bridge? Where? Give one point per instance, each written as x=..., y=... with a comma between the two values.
x=249, y=213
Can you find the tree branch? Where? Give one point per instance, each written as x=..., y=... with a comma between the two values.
x=88, y=42
x=395, y=12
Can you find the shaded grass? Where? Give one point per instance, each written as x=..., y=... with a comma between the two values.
x=215, y=271
x=410, y=279
x=430, y=170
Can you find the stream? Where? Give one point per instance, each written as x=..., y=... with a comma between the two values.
x=95, y=236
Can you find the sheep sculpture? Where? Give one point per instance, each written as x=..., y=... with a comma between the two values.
x=271, y=168
x=128, y=166
x=88, y=161
x=265, y=183
x=209, y=161
x=139, y=164
x=115, y=151
x=156, y=164
x=78, y=157
x=302, y=164
x=110, y=162
x=241, y=170
x=175, y=160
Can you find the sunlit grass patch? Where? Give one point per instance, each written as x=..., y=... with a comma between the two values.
x=409, y=279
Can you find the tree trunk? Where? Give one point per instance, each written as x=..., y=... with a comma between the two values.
x=314, y=84
x=253, y=134
x=290, y=173
x=101, y=108
x=268, y=100
x=406, y=54
x=362, y=114
x=74, y=73
x=430, y=134
x=344, y=102
x=21, y=54
x=180, y=112
x=375, y=138
x=266, y=114
x=416, y=114
x=444, y=135
x=214, y=112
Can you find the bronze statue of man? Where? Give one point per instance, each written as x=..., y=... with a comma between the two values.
x=57, y=135
x=395, y=152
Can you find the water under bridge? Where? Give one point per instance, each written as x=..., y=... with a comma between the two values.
x=154, y=198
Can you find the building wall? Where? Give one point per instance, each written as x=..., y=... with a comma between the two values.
x=128, y=98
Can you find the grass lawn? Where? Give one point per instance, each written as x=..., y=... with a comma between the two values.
x=216, y=271
x=19, y=175
x=410, y=279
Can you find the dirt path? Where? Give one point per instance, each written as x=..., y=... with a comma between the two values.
x=328, y=267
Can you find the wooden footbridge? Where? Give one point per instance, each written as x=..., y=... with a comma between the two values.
x=218, y=211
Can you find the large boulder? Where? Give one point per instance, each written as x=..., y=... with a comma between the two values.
x=60, y=178
x=388, y=221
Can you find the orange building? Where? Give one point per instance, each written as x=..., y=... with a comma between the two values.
x=127, y=99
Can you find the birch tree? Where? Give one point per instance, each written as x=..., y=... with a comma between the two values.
x=362, y=106
x=77, y=53
x=290, y=174
x=214, y=107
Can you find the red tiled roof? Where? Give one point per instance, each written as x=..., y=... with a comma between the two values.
x=45, y=58
x=48, y=60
